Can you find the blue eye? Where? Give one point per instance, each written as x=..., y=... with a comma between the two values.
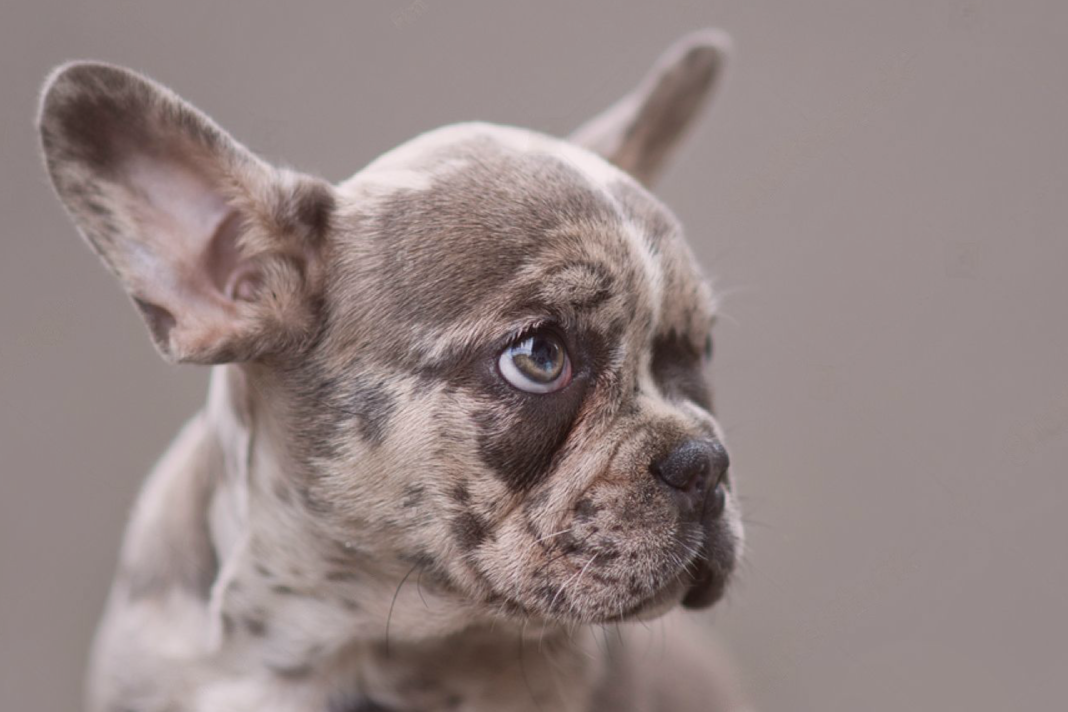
x=536, y=363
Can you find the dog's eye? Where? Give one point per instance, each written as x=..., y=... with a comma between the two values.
x=536, y=363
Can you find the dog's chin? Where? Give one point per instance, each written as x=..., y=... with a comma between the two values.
x=693, y=590
x=701, y=587
x=698, y=585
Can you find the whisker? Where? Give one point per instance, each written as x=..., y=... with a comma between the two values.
x=393, y=603
x=552, y=603
x=553, y=535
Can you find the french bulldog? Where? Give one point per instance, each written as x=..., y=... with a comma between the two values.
x=458, y=436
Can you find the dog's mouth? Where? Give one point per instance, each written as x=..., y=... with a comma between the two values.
x=700, y=584
x=711, y=570
x=587, y=593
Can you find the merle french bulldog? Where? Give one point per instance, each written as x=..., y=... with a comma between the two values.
x=458, y=428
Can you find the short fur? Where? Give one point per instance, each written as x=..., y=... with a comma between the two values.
x=366, y=516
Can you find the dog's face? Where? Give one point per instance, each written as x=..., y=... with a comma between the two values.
x=484, y=354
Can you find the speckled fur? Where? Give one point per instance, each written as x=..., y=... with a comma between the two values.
x=365, y=516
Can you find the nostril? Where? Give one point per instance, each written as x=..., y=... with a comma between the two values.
x=719, y=462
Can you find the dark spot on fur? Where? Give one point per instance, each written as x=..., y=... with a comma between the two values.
x=460, y=493
x=256, y=627
x=413, y=495
x=606, y=552
x=537, y=501
x=586, y=509
x=679, y=370
x=373, y=405
x=470, y=531
x=569, y=543
x=283, y=590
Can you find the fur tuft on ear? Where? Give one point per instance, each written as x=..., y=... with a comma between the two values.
x=640, y=131
x=219, y=251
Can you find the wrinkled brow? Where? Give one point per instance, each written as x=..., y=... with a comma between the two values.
x=564, y=295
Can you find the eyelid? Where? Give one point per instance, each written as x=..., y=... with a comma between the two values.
x=531, y=326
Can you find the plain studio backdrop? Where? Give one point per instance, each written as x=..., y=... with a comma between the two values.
x=880, y=193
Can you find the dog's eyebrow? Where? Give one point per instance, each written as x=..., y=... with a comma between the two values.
x=578, y=286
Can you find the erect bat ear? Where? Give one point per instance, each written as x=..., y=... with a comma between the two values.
x=219, y=250
x=640, y=131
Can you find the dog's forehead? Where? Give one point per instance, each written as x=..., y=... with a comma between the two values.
x=416, y=163
x=475, y=218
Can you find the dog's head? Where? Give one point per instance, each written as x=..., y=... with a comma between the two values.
x=484, y=353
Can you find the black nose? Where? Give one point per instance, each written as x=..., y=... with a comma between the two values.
x=693, y=467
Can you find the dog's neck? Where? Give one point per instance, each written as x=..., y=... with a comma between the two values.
x=300, y=602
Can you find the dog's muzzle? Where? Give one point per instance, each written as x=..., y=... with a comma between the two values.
x=695, y=473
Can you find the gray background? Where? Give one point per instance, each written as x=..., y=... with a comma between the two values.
x=880, y=193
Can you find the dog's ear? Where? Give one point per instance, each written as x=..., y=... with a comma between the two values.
x=219, y=251
x=640, y=131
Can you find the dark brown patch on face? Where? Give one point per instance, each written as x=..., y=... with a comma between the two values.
x=430, y=247
x=522, y=434
x=519, y=436
x=332, y=410
x=470, y=531
x=678, y=368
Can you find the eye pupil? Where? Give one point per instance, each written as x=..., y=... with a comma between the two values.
x=536, y=363
x=539, y=358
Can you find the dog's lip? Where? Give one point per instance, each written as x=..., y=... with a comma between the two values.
x=708, y=586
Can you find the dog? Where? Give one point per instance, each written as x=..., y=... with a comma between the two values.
x=458, y=428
